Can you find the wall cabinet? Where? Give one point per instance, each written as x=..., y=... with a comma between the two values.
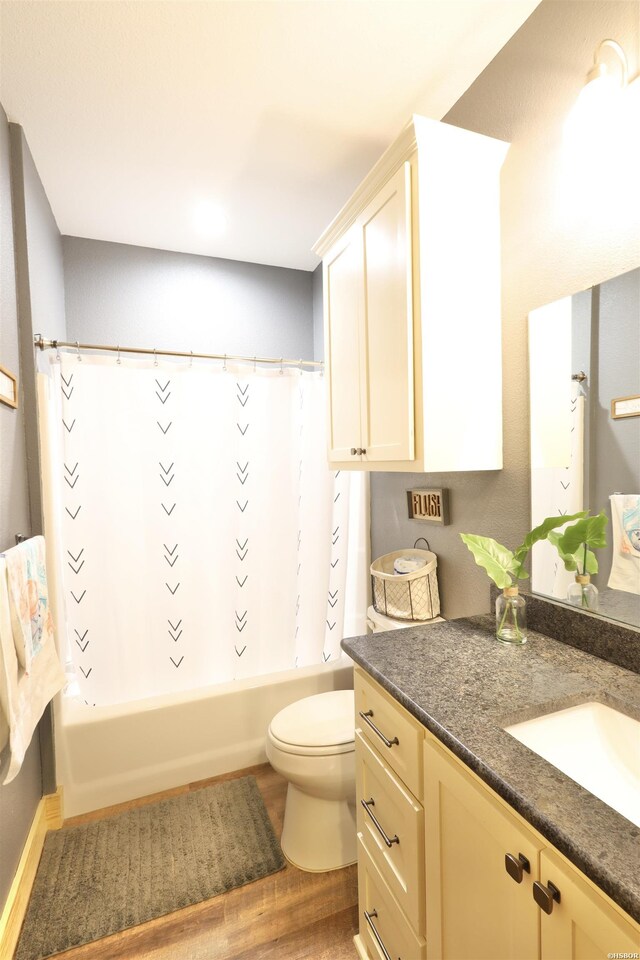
x=467, y=893
x=370, y=331
x=411, y=274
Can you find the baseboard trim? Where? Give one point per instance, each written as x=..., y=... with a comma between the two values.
x=48, y=816
x=360, y=947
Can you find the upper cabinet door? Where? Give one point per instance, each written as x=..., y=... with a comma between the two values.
x=342, y=316
x=386, y=384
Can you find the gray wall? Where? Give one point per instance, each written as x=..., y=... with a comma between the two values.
x=19, y=799
x=120, y=294
x=616, y=443
x=523, y=96
x=318, y=319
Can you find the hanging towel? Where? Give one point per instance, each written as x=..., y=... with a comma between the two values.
x=625, y=565
x=31, y=620
x=25, y=625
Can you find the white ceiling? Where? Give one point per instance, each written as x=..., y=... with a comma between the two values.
x=136, y=112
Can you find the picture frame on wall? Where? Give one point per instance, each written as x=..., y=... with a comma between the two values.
x=622, y=407
x=8, y=388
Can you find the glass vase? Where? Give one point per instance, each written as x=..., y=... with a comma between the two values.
x=511, y=617
x=583, y=593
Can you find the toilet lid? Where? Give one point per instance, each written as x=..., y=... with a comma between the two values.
x=324, y=720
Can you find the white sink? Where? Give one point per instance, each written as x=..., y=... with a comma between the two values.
x=596, y=746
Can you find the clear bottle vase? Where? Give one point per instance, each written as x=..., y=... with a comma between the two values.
x=511, y=617
x=583, y=593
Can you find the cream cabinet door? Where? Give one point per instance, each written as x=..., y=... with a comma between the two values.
x=387, y=394
x=343, y=317
x=583, y=925
x=475, y=910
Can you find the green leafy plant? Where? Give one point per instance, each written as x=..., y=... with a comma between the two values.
x=504, y=566
x=576, y=544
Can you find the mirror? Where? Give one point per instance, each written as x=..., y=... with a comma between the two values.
x=584, y=367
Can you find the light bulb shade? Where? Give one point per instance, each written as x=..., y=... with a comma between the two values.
x=595, y=112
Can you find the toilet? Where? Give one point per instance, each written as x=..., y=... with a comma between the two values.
x=312, y=744
x=379, y=623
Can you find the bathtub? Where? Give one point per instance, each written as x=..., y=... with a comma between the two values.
x=106, y=755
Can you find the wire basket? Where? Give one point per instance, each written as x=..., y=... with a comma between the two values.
x=406, y=596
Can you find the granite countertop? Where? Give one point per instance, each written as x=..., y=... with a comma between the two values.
x=464, y=686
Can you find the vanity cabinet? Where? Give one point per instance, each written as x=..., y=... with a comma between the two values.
x=483, y=866
x=448, y=870
x=476, y=910
x=411, y=280
x=390, y=820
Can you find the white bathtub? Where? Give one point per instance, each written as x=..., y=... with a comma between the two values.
x=107, y=755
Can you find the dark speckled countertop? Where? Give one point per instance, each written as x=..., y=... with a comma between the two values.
x=464, y=686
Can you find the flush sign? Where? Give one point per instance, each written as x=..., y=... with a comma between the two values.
x=429, y=505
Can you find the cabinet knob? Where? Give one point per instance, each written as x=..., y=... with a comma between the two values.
x=544, y=896
x=361, y=450
x=516, y=867
x=354, y=452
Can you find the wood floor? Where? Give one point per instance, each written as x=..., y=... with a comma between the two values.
x=291, y=915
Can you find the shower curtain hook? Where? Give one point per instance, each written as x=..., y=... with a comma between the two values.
x=155, y=357
x=78, y=350
x=191, y=361
x=57, y=353
x=224, y=365
x=281, y=367
x=118, y=360
x=255, y=364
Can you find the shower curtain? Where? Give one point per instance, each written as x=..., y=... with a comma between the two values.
x=557, y=490
x=199, y=535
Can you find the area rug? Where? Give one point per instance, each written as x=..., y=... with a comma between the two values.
x=101, y=877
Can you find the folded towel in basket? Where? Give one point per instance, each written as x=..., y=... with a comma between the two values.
x=408, y=564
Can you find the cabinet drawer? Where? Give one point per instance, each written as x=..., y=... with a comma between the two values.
x=380, y=912
x=387, y=809
x=396, y=735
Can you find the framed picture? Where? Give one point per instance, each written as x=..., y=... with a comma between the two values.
x=8, y=388
x=625, y=407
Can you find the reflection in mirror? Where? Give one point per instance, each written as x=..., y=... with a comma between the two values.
x=584, y=355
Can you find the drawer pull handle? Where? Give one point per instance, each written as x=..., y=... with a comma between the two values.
x=369, y=918
x=367, y=804
x=544, y=896
x=385, y=740
x=515, y=867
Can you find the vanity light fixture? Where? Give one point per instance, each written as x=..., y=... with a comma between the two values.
x=599, y=102
x=610, y=64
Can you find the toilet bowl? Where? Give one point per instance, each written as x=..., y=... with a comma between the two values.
x=312, y=744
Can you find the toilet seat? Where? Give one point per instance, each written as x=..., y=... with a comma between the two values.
x=298, y=750
x=321, y=725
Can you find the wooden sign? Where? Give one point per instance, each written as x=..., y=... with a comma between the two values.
x=429, y=505
x=625, y=407
x=8, y=388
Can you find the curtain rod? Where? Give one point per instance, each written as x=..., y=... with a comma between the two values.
x=43, y=344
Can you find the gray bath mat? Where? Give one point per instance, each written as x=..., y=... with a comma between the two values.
x=101, y=877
